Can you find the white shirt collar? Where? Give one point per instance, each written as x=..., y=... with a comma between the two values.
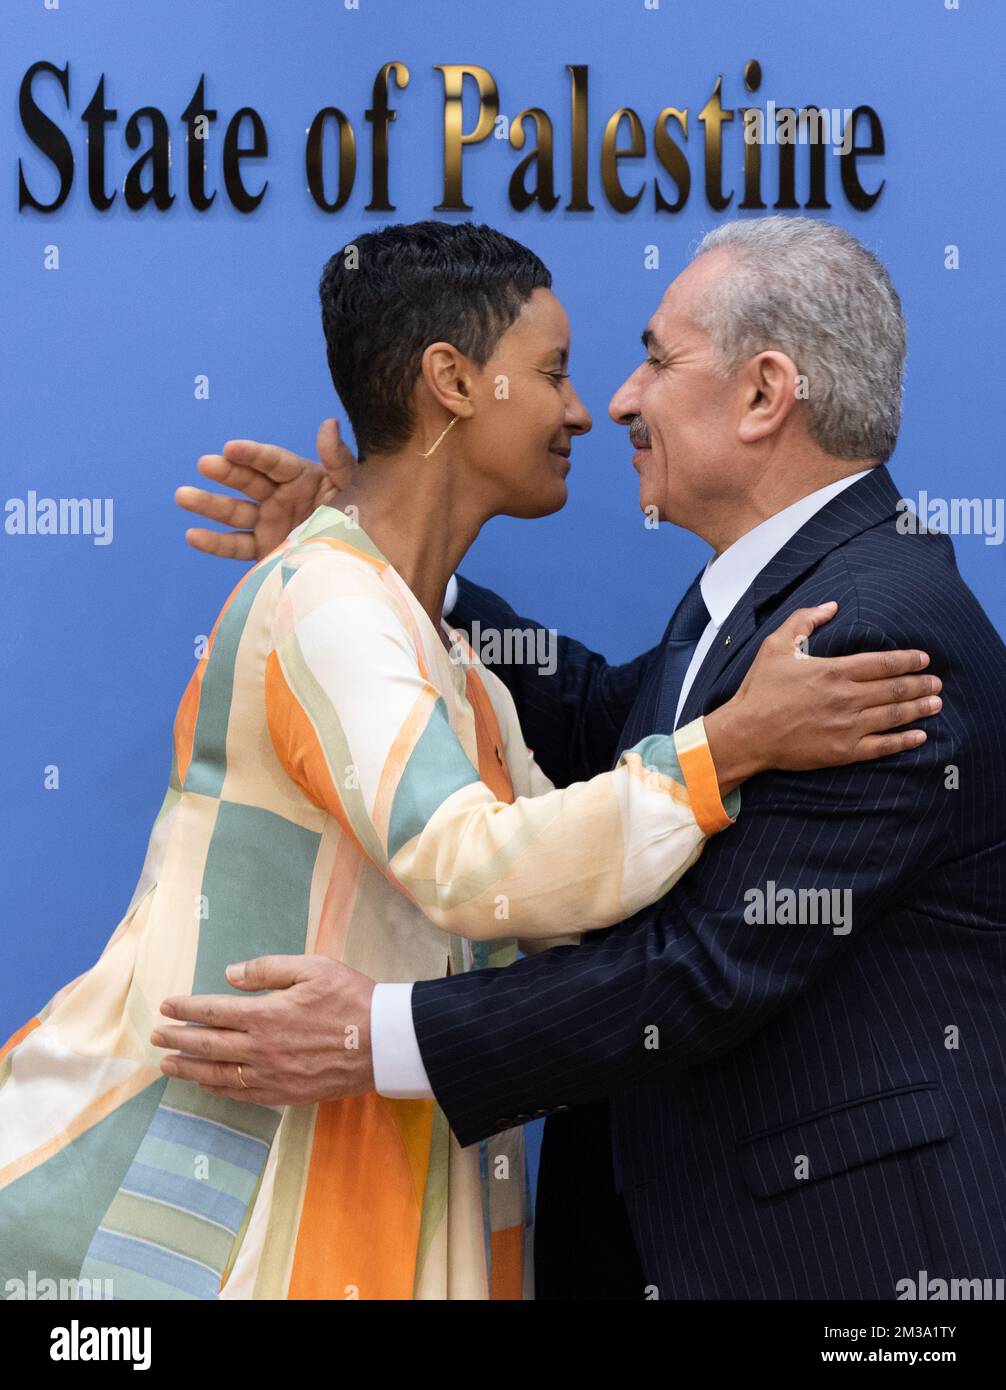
x=731, y=574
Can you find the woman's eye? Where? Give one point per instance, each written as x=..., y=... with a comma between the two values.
x=559, y=376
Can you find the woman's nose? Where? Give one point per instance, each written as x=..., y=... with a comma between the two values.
x=578, y=419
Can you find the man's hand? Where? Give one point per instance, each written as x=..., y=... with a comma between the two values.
x=308, y=1040
x=283, y=487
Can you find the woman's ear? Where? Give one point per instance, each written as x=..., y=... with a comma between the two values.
x=768, y=394
x=450, y=379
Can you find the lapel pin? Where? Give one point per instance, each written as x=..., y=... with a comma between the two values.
x=726, y=641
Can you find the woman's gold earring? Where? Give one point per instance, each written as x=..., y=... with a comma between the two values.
x=437, y=445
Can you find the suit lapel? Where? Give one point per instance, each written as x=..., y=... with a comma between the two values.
x=865, y=504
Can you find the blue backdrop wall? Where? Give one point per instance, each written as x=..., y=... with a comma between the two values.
x=100, y=356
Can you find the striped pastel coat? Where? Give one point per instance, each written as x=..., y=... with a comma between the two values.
x=342, y=784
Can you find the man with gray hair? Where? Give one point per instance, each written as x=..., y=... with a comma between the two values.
x=757, y=1105
x=817, y=294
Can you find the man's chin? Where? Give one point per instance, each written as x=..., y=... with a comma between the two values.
x=648, y=503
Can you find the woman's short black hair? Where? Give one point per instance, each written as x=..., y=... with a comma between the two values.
x=389, y=294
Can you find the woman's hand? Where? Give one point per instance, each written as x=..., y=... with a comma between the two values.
x=283, y=488
x=795, y=711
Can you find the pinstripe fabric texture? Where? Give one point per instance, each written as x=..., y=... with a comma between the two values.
x=823, y=1114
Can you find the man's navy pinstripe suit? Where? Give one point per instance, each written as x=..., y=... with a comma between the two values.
x=824, y=1115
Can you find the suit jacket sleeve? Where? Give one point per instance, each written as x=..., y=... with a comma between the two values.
x=693, y=976
x=572, y=717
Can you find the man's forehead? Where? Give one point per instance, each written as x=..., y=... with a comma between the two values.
x=675, y=312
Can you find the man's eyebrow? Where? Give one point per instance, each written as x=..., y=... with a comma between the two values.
x=649, y=341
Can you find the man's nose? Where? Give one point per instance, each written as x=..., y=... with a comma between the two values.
x=624, y=404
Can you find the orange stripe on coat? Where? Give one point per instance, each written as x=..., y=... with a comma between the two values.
x=298, y=746
x=359, y=1224
x=492, y=769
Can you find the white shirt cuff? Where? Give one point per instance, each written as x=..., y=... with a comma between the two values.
x=450, y=596
x=399, y=1073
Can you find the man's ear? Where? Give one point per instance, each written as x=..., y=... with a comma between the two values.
x=768, y=385
x=450, y=378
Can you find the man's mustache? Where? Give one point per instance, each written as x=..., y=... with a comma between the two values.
x=638, y=432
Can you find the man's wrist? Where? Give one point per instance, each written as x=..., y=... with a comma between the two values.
x=399, y=1072
x=366, y=1041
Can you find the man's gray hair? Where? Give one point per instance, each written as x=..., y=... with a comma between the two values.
x=811, y=290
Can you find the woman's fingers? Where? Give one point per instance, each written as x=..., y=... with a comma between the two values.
x=861, y=666
x=902, y=712
x=799, y=625
x=214, y=506
x=871, y=666
x=869, y=694
x=230, y=474
x=884, y=745
x=336, y=457
x=238, y=544
x=226, y=545
x=266, y=461
x=327, y=442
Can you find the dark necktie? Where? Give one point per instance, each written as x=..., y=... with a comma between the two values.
x=655, y=704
